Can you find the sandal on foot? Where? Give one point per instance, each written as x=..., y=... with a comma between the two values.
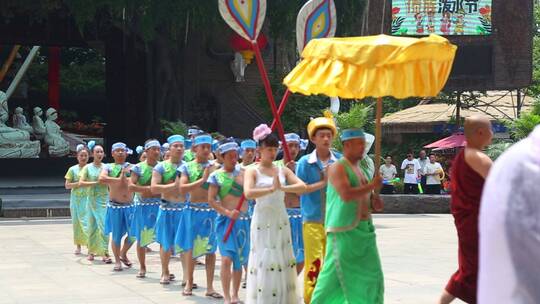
x=214, y=295
x=107, y=260
x=164, y=281
x=195, y=286
x=187, y=293
x=117, y=268
x=172, y=277
x=126, y=262
x=141, y=275
x=77, y=252
x=90, y=257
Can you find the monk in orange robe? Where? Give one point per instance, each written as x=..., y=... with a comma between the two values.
x=470, y=169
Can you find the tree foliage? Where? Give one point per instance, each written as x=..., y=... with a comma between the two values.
x=173, y=127
x=358, y=116
x=148, y=17
x=82, y=71
x=523, y=126
x=534, y=89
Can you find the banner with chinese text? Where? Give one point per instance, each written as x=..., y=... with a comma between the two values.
x=442, y=17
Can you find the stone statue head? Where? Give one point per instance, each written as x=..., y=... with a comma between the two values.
x=3, y=107
x=51, y=114
x=18, y=110
x=38, y=111
x=3, y=102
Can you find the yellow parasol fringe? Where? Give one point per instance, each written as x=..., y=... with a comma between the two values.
x=373, y=66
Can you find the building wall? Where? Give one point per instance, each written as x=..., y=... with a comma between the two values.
x=510, y=46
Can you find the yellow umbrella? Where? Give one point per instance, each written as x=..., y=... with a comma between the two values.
x=373, y=66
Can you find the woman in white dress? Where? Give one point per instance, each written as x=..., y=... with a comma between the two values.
x=271, y=267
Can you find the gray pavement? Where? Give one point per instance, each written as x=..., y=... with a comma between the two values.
x=37, y=265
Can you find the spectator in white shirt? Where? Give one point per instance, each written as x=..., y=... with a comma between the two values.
x=423, y=161
x=388, y=173
x=433, y=172
x=412, y=174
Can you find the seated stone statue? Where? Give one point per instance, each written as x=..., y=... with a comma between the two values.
x=14, y=143
x=37, y=123
x=58, y=146
x=19, y=121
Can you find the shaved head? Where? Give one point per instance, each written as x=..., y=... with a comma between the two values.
x=478, y=131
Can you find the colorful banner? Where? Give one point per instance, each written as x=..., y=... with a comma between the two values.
x=316, y=19
x=441, y=17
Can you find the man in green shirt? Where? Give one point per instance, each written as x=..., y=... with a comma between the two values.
x=352, y=269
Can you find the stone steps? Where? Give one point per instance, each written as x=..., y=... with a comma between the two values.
x=34, y=205
x=33, y=197
x=55, y=205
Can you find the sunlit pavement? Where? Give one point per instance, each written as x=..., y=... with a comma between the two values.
x=37, y=265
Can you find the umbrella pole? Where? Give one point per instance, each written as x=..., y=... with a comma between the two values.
x=378, y=135
x=377, y=204
x=270, y=97
x=276, y=123
x=281, y=108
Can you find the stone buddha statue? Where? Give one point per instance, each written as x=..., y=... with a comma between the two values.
x=37, y=123
x=14, y=143
x=58, y=146
x=19, y=121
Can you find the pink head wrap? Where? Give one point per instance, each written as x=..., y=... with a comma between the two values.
x=261, y=132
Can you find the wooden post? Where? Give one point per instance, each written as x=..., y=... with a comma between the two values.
x=9, y=61
x=54, y=77
x=519, y=104
x=458, y=111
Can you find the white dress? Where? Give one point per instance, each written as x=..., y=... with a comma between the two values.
x=271, y=267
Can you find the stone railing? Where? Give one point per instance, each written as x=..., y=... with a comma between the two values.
x=413, y=204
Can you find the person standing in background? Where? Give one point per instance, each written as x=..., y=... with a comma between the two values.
x=411, y=174
x=423, y=161
x=433, y=172
x=388, y=172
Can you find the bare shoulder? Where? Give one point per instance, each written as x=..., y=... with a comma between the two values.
x=335, y=168
x=249, y=172
x=478, y=161
x=287, y=171
x=473, y=156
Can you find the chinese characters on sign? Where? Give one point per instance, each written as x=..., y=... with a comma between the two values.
x=442, y=17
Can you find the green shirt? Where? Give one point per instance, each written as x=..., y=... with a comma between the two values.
x=341, y=215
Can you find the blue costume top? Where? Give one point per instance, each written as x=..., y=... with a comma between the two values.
x=310, y=169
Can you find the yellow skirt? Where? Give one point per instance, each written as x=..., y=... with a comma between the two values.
x=314, y=248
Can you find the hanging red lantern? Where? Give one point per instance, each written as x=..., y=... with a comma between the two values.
x=243, y=46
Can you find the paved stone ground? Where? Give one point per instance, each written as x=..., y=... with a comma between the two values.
x=418, y=252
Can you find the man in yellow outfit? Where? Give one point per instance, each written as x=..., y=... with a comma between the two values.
x=312, y=169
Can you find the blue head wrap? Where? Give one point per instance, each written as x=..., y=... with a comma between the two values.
x=227, y=147
x=91, y=144
x=151, y=144
x=187, y=143
x=293, y=137
x=215, y=145
x=175, y=138
x=139, y=149
x=164, y=148
x=353, y=133
x=247, y=144
x=191, y=132
x=202, y=139
x=121, y=145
